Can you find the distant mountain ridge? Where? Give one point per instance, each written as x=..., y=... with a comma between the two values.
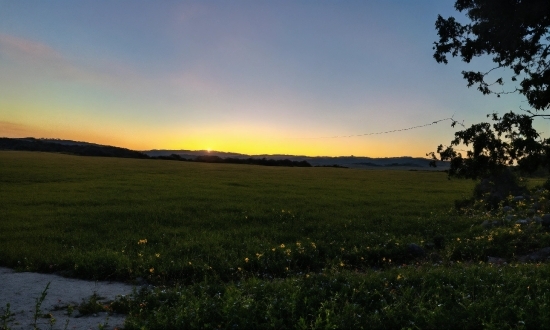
x=404, y=162
x=68, y=146
x=93, y=149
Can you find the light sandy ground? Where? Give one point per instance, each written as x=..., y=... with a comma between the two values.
x=21, y=290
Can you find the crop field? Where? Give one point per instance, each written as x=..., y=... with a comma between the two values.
x=241, y=246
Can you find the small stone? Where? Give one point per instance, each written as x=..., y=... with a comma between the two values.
x=509, y=217
x=507, y=208
x=141, y=281
x=540, y=255
x=531, y=212
x=486, y=224
x=495, y=260
x=496, y=223
x=415, y=250
x=537, y=219
x=518, y=198
x=522, y=222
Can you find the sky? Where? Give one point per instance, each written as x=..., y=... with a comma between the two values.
x=255, y=77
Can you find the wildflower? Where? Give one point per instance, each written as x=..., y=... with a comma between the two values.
x=399, y=277
x=189, y=262
x=142, y=241
x=273, y=249
x=245, y=259
x=341, y=264
x=239, y=268
x=157, y=255
x=282, y=246
x=151, y=270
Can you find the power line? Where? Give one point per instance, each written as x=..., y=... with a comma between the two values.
x=454, y=122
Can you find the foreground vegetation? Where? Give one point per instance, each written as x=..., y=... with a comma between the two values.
x=237, y=246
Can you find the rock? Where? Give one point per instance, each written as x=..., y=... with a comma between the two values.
x=486, y=224
x=434, y=257
x=439, y=241
x=522, y=222
x=531, y=212
x=507, y=209
x=141, y=281
x=537, y=219
x=509, y=217
x=536, y=205
x=415, y=250
x=518, y=198
x=496, y=261
x=540, y=255
x=496, y=223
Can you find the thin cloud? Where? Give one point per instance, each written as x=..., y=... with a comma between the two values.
x=37, y=59
x=16, y=130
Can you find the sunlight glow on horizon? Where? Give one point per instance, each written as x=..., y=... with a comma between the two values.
x=245, y=77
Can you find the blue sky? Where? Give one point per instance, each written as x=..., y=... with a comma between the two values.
x=242, y=76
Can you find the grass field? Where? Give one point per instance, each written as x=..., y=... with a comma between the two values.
x=237, y=246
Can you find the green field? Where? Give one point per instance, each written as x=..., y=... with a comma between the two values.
x=238, y=246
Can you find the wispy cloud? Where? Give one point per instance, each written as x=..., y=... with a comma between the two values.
x=16, y=130
x=17, y=47
x=39, y=57
x=39, y=60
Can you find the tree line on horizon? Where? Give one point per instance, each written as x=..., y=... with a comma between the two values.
x=88, y=149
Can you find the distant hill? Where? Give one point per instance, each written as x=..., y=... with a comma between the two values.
x=342, y=161
x=69, y=147
x=92, y=149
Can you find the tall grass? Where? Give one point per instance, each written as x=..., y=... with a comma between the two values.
x=236, y=246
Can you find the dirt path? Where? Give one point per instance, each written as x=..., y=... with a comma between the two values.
x=21, y=290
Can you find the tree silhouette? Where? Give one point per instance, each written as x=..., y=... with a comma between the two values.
x=516, y=34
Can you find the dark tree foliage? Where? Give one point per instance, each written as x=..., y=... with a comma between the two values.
x=516, y=34
x=249, y=161
x=510, y=140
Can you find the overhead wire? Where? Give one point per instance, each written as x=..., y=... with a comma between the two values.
x=454, y=122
